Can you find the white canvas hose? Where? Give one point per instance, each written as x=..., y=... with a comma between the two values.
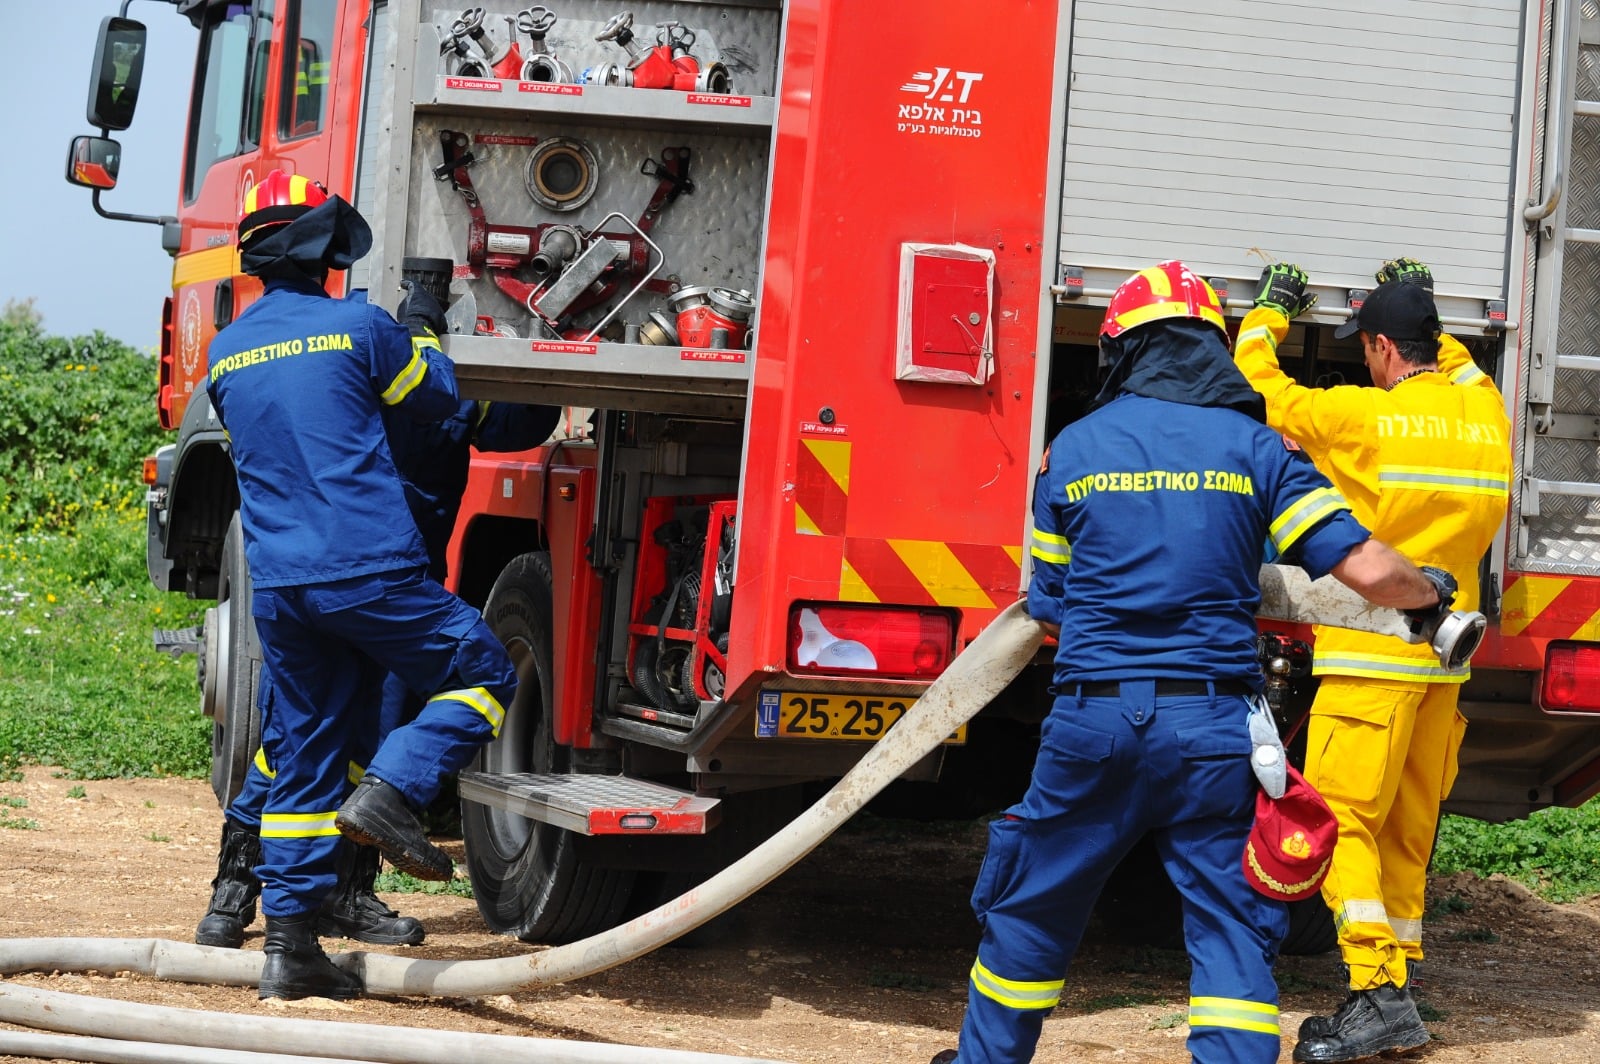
x=164, y=1031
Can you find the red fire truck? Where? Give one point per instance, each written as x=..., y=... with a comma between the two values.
x=828, y=275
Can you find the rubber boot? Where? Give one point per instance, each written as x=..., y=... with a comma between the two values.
x=235, y=889
x=296, y=967
x=377, y=815
x=354, y=909
x=1370, y=1022
x=944, y=1056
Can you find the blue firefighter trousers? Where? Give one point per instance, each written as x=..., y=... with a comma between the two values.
x=326, y=648
x=1109, y=772
x=398, y=706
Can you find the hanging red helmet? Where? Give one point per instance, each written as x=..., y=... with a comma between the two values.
x=278, y=199
x=1167, y=290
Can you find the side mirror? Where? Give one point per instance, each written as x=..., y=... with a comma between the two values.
x=93, y=162
x=118, y=67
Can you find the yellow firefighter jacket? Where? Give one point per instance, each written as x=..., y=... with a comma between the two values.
x=1425, y=466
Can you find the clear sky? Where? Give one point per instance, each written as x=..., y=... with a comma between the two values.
x=87, y=272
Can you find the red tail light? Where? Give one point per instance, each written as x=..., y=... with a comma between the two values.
x=1571, y=678
x=862, y=640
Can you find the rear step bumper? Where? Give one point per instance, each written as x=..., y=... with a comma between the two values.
x=594, y=805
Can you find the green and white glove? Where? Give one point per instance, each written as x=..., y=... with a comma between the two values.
x=1407, y=271
x=1283, y=289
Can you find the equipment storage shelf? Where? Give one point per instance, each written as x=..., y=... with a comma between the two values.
x=594, y=175
x=618, y=376
x=598, y=104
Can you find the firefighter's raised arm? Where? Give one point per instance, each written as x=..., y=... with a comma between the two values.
x=409, y=370
x=1312, y=416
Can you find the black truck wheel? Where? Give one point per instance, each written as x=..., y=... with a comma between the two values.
x=531, y=879
x=229, y=670
x=1311, y=929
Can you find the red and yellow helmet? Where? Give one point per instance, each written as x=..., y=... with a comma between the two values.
x=278, y=199
x=1167, y=290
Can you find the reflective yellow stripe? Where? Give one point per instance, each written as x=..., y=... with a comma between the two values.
x=298, y=825
x=1156, y=311
x=354, y=772
x=1361, y=911
x=1160, y=284
x=250, y=200
x=1235, y=1013
x=1384, y=667
x=1434, y=478
x=1259, y=332
x=1406, y=930
x=1051, y=548
x=261, y=763
x=210, y=265
x=298, y=187
x=1468, y=374
x=479, y=699
x=1016, y=993
x=1303, y=515
x=408, y=379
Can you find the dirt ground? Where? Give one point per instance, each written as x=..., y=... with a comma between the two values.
x=857, y=955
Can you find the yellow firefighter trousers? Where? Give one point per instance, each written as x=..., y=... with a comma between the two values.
x=1383, y=754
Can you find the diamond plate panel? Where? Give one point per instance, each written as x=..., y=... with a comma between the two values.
x=1583, y=183
x=709, y=237
x=742, y=38
x=1588, y=72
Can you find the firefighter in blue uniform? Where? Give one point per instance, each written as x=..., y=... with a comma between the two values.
x=300, y=382
x=432, y=459
x=1149, y=516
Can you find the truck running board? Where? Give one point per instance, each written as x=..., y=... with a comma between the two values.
x=593, y=804
x=177, y=641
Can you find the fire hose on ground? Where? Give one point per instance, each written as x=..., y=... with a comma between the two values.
x=974, y=679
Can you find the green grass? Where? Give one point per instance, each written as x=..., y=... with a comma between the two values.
x=393, y=882
x=80, y=684
x=1553, y=852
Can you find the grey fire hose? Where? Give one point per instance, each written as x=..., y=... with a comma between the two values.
x=976, y=676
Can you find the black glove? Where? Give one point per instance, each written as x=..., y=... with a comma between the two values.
x=1283, y=288
x=1408, y=271
x=1422, y=622
x=420, y=312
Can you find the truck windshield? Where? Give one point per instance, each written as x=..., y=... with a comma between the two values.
x=230, y=87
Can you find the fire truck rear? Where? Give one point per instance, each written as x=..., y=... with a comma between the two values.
x=817, y=280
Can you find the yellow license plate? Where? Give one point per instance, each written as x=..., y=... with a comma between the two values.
x=793, y=715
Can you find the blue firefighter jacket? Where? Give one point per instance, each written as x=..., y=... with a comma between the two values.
x=1149, y=518
x=433, y=459
x=319, y=494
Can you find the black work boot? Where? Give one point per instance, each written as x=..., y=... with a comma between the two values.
x=296, y=967
x=1369, y=1022
x=1321, y=1026
x=377, y=815
x=944, y=1056
x=234, y=891
x=355, y=911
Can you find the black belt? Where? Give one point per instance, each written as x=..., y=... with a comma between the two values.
x=1164, y=688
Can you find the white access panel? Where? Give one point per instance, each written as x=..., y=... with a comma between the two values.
x=1334, y=135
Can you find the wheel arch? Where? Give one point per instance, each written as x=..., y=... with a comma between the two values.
x=201, y=500
x=487, y=545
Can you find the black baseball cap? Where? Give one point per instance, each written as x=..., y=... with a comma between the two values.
x=1399, y=310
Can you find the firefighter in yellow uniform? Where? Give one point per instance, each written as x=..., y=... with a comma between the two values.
x=1424, y=458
